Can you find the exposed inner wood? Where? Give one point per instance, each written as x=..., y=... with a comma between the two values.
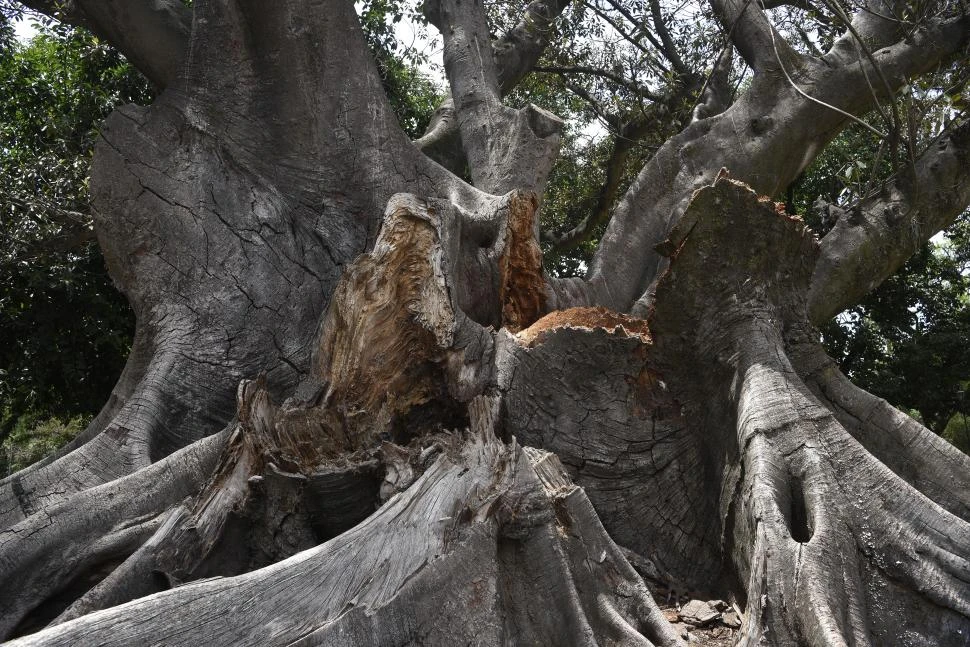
x=584, y=317
x=632, y=425
x=523, y=288
x=386, y=334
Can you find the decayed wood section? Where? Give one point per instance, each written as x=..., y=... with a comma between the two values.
x=457, y=467
x=473, y=531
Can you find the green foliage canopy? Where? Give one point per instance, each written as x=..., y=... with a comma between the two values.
x=65, y=329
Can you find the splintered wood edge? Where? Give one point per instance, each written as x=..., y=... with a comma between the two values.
x=585, y=318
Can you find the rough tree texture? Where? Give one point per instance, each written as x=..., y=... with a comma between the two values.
x=357, y=413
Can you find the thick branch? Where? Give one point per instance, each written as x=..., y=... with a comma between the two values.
x=442, y=141
x=515, y=54
x=669, y=47
x=870, y=243
x=767, y=137
x=152, y=34
x=716, y=96
x=757, y=41
x=506, y=149
x=875, y=26
x=666, y=108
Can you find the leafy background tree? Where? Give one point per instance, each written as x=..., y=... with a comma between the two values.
x=67, y=330
x=413, y=95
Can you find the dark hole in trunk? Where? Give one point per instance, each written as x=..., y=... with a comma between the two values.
x=798, y=517
x=439, y=413
x=339, y=500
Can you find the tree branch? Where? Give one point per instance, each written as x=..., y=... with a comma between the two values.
x=442, y=141
x=626, y=137
x=805, y=5
x=781, y=132
x=506, y=149
x=607, y=195
x=754, y=37
x=566, y=70
x=609, y=119
x=669, y=47
x=635, y=41
x=641, y=29
x=872, y=241
x=715, y=96
x=152, y=34
x=874, y=25
x=515, y=54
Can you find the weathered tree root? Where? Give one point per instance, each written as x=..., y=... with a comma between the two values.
x=94, y=528
x=913, y=452
x=831, y=545
x=742, y=481
x=438, y=563
x=150, y=424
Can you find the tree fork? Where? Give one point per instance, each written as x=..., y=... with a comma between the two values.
x=716, y=484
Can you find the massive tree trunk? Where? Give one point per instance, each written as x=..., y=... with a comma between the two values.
x=356, y=412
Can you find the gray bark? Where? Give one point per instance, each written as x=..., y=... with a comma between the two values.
x=869, y=244
x=800, y=494
x=419, y=445
x=152, y=34
x=222, y=215
x=768, y=136
x=506, y=149
x=514, y=54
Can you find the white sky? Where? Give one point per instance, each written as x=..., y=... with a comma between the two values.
x=25, y=28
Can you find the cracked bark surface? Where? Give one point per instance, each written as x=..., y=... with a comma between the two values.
x=224, y=222
x=357, y=412
x=464, y=508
